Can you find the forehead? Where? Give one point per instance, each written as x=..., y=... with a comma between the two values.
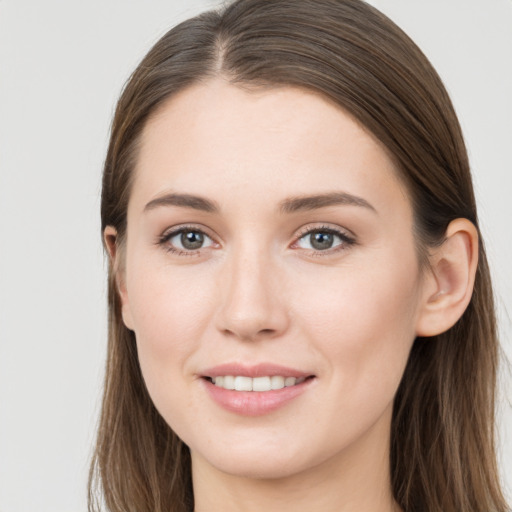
x=215, y=138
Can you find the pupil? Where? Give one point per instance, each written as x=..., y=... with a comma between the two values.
x=321, y=241
x=192, y=240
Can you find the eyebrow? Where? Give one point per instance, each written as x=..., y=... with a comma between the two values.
x=290, y=205
x=315, y=202
x=185, y=201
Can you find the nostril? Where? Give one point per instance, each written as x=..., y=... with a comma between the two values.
x=247, y=334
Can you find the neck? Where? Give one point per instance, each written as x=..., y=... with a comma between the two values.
x=356, y=480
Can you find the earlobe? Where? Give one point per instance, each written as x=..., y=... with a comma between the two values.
x=449, y=283
x=114, y=250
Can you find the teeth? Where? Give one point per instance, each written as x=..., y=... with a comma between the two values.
x=261, y=384
x=229, y=382
x=277, y=382
x=289, y=381
x=241, y=383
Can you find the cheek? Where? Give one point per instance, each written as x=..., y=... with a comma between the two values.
x=363, y=322
x=170, y=309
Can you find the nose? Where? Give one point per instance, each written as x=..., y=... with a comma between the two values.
x=253, y=304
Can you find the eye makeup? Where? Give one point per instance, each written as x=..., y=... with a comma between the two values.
x=185, y=240
x=323, y=240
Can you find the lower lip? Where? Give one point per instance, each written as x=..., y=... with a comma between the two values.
x=255, y=403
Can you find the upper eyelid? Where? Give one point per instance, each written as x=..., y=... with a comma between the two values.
x=174, y=230
x=304, y=230
x=309, y=228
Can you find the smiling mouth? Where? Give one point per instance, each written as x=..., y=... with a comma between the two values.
x=257, y=384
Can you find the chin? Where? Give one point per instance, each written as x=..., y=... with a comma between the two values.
x=261, y=468
x=261, y=461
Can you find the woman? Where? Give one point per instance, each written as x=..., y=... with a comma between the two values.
x=301, y=312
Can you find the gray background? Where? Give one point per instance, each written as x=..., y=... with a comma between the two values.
x=62, y=65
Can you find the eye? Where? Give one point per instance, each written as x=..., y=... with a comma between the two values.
x=185, y=240
x=324, y=239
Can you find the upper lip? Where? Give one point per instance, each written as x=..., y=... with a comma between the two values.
x=258, y=370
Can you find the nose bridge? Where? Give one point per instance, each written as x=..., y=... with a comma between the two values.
x=252, y=305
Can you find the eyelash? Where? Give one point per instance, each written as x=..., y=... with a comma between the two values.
x=163, y=240
x=346, y=240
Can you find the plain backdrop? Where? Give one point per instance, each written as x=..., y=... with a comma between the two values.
x=62, y=66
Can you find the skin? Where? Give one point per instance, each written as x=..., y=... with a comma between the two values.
x=257, y=291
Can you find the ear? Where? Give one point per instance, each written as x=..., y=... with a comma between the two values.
x=116, y=256
x=449, y=283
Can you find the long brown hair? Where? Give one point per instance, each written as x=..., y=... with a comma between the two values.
x=442, y=445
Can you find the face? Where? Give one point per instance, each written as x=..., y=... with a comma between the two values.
x=269, y=247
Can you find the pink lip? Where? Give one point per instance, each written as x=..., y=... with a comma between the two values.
x=258, y=370
x=253, y=403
